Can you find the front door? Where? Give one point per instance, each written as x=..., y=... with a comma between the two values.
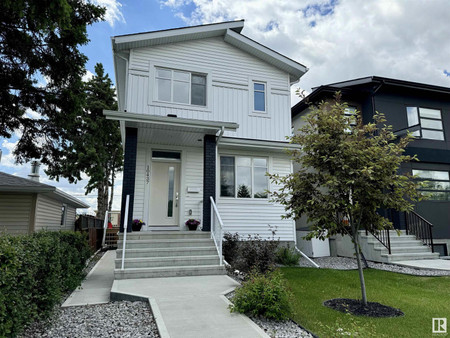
x=164, y=194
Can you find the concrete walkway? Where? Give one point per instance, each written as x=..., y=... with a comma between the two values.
x=96, y=288
x=437, y=264
x=192, y=306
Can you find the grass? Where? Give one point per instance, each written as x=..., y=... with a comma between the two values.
x=420, y=298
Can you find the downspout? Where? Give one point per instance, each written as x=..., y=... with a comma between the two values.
x=373, y=95
x=222, y=130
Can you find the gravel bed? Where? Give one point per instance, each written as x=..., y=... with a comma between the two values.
x=276, y=329
x=117, y=319
x=346, y=263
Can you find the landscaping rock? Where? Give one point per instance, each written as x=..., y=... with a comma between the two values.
x=357, y=308
x=118, y=319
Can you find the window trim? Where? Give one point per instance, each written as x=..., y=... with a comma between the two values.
x=251, y=98
x=430, y=190
x=252, y=157
x=153, y=98
x=425, y=118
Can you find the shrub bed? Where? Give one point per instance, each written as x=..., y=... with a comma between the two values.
x=35, y=270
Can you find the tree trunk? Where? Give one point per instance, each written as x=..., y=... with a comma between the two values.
x=111, y=197
x=102, y=198
x=360, y=268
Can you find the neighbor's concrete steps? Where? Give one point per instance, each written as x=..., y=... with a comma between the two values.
x=167, y=254
x=403, y=247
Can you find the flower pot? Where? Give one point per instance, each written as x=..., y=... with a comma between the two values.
x=192, y=227
x=136, y=227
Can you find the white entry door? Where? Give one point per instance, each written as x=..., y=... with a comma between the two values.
x=164, y=194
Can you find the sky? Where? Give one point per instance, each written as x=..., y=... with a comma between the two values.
x=336, y=40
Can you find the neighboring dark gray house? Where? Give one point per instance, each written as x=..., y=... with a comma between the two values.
x=27, y=206
x=420, y=108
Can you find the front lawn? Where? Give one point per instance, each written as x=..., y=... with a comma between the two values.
x=420, y=298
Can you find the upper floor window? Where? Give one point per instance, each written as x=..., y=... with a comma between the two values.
x=259, y=96
x=429, y=120
x=437, y=183
x=180, y=87
x=243, y=177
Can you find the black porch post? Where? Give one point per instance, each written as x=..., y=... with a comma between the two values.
x=209, y=178
x=129, y=175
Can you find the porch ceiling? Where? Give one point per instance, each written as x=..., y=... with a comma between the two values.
x=170, y=135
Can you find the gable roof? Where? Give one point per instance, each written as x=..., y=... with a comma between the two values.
x=11, y=183
x=230, y=30
x=320, y=92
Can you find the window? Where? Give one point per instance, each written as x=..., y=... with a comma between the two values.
x=429, y=120
x=180, y=87
x=243, y=177
x=259, y=96
x=436, y=183
x=350, y=113
x=63, y=215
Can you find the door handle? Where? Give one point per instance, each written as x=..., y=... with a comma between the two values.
x=176, y=200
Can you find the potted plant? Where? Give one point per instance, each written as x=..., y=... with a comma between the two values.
x=192, y=224
x=137, y=224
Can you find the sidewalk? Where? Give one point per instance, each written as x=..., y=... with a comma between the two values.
x=437, y=264
x=191, y=306
x=96, y=288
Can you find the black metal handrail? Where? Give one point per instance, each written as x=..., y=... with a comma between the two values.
x=421, y=228
x=383, y=237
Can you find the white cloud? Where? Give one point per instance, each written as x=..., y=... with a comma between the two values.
x=87, y=76
x=342, y=40
x=113, y=11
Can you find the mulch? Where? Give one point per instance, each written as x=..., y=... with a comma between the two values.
x=357, y=308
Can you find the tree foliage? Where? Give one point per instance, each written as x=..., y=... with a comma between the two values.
x=97, y=149
x=41, y=69
x=347, y=173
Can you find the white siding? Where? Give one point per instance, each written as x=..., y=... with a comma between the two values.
x=15, y=213
x=48, y=213
x=70, y=218
x=230, y=71
x=140, y=183
x=253, y=216
x=193, y=179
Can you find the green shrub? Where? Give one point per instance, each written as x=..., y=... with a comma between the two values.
x=255, y=253
x=287, y=256
x=264, y=295
x=35, y=270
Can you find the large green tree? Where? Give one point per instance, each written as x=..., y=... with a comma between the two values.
x=97, y=149
x=41, y=68
x=347, y=172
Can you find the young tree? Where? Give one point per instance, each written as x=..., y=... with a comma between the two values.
x=97, y=149
x=40, y=72
x=347, y=173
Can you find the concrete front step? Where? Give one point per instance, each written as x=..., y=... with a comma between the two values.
x=165, y=243
x=173, y=271
x=166, y=235
x=404, y=249
x=410, y=256
x=154, y=262
x=399, y=244
x=395, y=238
x=168, y=252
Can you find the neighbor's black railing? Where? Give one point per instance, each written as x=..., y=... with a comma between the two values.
x=383, y=237
x=418, y=226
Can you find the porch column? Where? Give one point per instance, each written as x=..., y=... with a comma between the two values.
x=209, y=178
x=129, y=175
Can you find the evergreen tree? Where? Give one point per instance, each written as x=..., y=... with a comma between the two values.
x=40, y=70
x=97, y=149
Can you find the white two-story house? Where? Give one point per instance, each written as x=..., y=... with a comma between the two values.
x=204, y=111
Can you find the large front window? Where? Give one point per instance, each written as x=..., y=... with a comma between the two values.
x=429, y=120
x=436, y=184
x=180, y=87
x=243, y=177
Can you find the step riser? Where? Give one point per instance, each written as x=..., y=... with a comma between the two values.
x=165, y=253
x=167, y=236
x=173, y=273
x=400, y=244
x=418, y=249
x=166, y=263
x=154, y=245
x=405, y=257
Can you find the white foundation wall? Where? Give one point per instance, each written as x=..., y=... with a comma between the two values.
x=253, y=216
